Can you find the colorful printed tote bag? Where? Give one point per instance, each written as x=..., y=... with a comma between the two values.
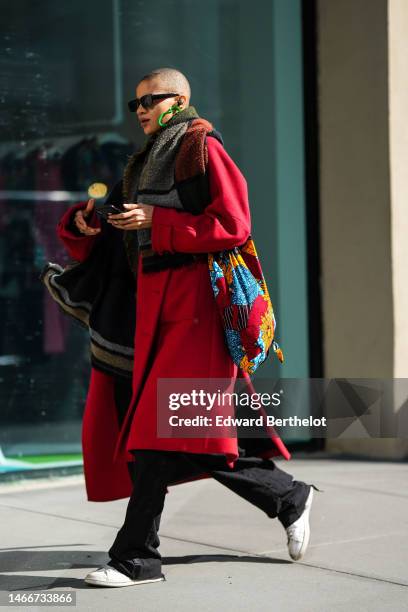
x=246, y=309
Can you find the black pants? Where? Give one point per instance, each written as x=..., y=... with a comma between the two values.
x=259, y=481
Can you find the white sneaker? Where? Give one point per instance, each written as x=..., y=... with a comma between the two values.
x=108, y=576
x=299, y=532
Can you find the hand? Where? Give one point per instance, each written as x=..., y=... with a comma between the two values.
x=81, y=215
x=138, y=216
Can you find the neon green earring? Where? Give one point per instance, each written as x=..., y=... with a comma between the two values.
x=173, y=109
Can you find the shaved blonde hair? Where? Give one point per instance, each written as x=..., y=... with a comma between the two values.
x=171, y=80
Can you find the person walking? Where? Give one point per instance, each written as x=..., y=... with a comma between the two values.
x=139, y=281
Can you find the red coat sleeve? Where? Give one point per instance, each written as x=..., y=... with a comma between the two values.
x=77, y=245
x=225, y=222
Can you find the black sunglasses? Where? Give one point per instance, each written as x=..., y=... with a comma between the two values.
x=147, y=101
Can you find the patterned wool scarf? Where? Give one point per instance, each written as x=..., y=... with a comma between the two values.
x=169, y=171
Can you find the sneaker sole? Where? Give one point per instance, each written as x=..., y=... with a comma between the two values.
x=102, y=583
x=305, y=542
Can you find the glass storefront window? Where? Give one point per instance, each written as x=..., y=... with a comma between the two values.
x=67, y=71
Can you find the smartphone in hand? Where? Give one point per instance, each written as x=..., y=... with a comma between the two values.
x=104, y=209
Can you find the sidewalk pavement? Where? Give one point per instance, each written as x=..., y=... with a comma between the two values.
x=219, y=552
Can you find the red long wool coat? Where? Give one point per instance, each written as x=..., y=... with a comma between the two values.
x=178, y=332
